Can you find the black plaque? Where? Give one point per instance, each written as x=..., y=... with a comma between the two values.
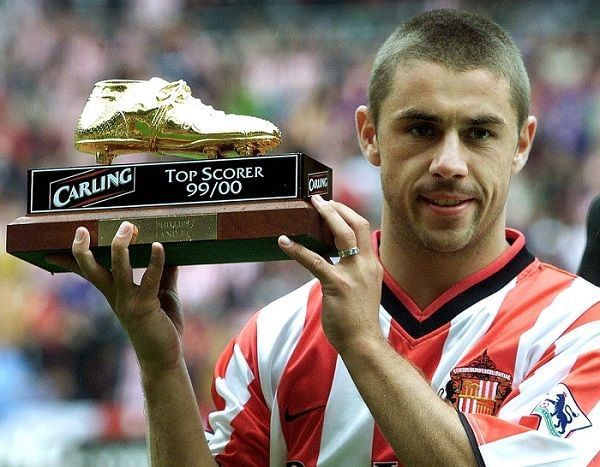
x=288, y=176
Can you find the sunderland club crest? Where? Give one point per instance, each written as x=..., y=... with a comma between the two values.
x=478, y=387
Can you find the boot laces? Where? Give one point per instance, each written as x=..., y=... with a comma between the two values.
x=180, y=92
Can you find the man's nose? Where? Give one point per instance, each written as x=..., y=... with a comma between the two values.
x=449, y=160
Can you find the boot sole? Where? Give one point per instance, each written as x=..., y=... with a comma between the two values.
x=106, y=149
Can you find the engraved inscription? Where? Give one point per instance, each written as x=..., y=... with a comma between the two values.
x=174, y=229
x=166, y=229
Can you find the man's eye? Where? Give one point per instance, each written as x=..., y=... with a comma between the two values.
x=421, y=131
x=480, y=133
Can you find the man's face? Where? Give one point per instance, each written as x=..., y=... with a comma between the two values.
x=447, y=143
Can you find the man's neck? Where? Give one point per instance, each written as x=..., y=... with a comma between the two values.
x=424, y=274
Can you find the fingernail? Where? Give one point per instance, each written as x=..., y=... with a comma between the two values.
x=79, y=234
x=319, y=199
x=285, y=240
x=123, y=229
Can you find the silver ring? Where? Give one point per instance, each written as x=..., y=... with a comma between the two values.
x=349, y=252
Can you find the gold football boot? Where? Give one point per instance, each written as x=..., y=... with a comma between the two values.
x=129, y=116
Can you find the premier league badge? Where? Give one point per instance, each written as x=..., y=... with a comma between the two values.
x=559, y=413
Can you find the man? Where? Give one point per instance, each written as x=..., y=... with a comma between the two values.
x=437, y=341
x=589, y=268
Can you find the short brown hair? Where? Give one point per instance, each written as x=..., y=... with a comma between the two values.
x=458, y=40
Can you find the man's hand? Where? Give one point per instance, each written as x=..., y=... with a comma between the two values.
x=352, y=287
x=151, y=315
x=149, y=312
x=387, y=382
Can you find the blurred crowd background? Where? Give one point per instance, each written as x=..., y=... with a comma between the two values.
x=66, y=371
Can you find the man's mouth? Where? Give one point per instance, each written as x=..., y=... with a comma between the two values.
x=446, y=202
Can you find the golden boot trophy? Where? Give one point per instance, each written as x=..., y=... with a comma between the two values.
x=226, y=202
x=127, y=116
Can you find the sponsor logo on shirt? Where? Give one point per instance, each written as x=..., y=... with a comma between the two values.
x=478, y=387
x=290, y=417
x=560, y=413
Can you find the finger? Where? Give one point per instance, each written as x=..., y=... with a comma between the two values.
x=88, y=266
x=344, y=236
x=315, y=263
x=169, y=299
x=65, y=262
x=120, y=264
x=151, y=280
x=360, y=226
x=169, y=278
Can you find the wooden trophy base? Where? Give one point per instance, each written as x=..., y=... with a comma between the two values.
x=226, y=233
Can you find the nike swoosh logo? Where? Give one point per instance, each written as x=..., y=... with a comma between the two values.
x=290, y=417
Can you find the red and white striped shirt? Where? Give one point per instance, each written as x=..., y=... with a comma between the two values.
x=515, y=347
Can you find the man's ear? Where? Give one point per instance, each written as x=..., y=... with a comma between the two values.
x=524, y=144
x=367, y=135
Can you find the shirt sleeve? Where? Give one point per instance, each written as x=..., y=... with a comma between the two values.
x=553, y=416
x=239, y=427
